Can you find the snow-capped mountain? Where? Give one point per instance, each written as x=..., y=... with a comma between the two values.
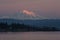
x=25, y=14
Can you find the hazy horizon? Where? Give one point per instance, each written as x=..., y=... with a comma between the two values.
x=33, y=9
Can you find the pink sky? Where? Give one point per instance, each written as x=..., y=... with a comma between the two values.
x=45, y=8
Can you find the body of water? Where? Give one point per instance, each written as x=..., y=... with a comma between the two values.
x=30, y=36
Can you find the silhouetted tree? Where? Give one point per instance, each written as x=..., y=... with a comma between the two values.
x=16, y=27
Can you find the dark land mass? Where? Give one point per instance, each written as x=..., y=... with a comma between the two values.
x=12, y=25
x=4, y=27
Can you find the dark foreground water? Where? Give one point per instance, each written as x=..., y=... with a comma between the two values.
x=30, y=36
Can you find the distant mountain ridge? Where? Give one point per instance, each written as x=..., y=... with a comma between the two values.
x=38, y=23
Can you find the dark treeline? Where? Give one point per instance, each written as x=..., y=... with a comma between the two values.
x=16, y=27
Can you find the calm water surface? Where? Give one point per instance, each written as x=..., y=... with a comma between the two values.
x=30, y=36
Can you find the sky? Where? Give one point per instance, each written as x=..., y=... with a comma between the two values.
x=43, y=8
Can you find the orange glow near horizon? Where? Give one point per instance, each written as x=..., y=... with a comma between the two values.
x=28, y=12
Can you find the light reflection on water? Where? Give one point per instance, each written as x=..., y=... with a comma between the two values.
x=30, y=36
